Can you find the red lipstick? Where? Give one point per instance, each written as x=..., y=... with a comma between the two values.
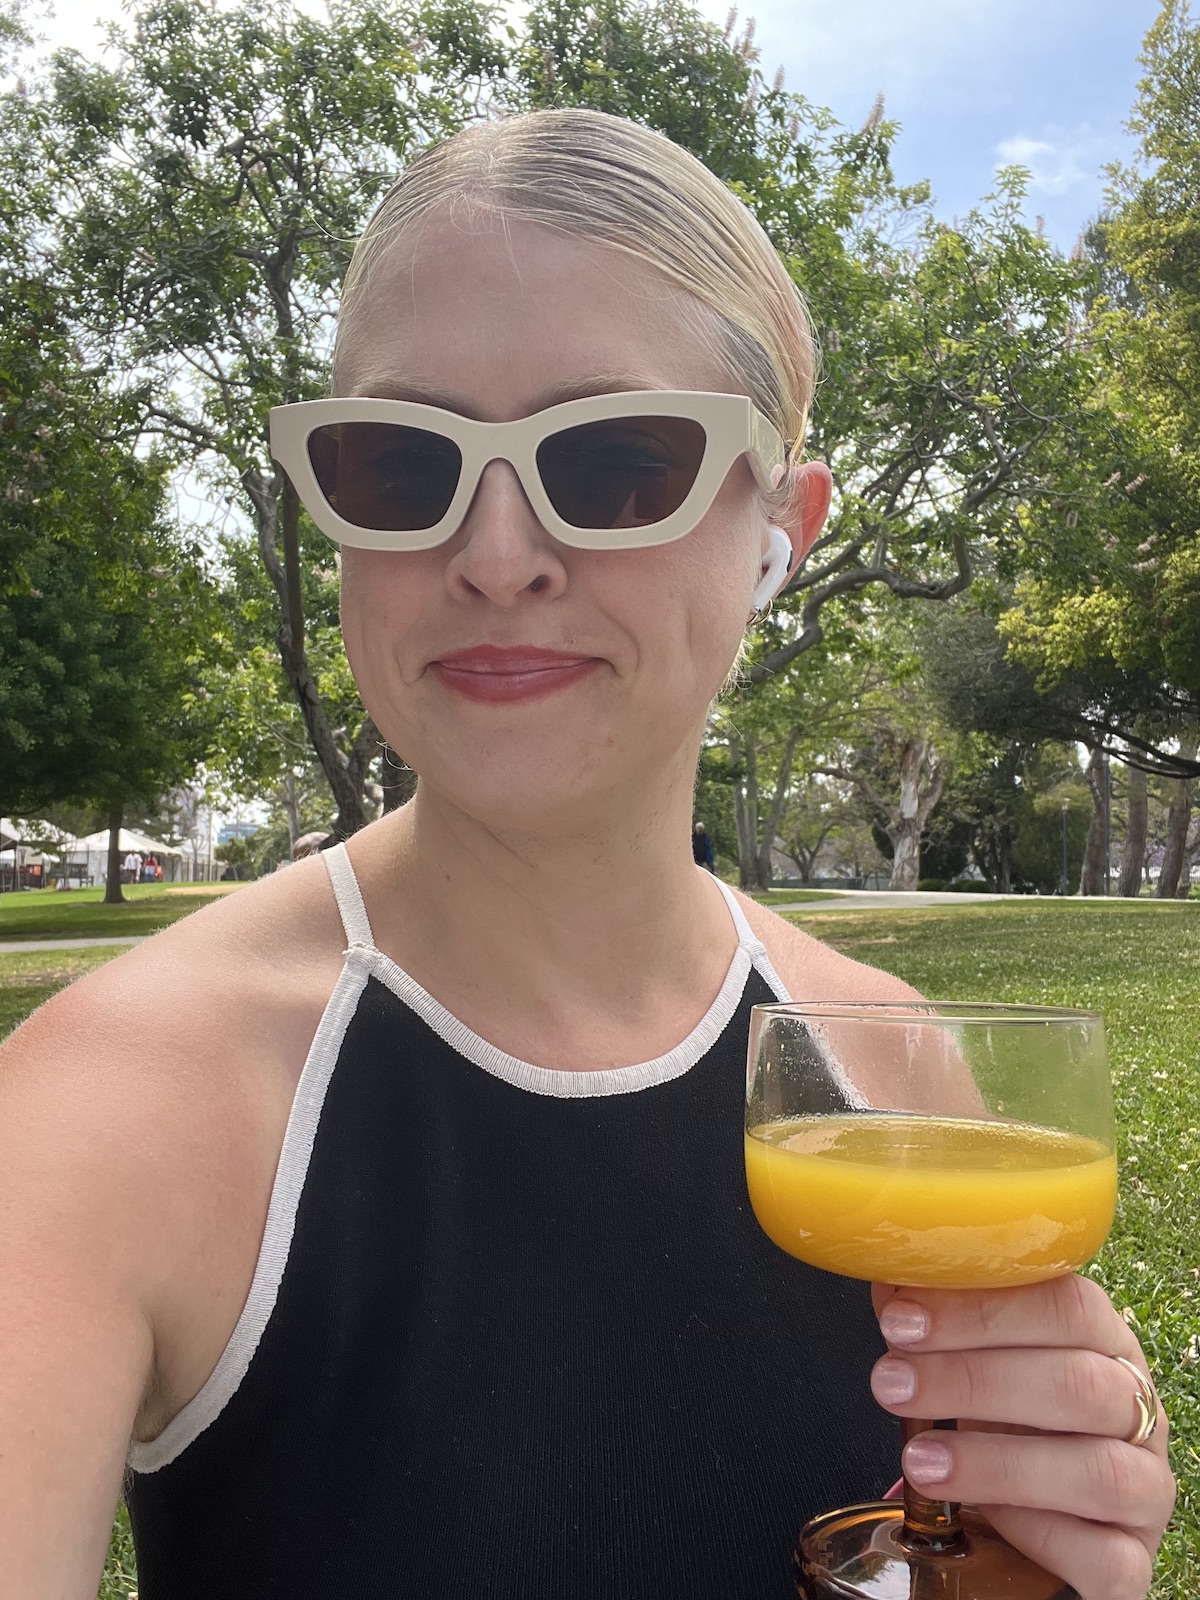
x=506, y=673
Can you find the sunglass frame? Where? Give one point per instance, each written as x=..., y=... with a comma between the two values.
x=733, y=427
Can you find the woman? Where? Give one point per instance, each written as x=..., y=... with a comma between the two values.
x=403, y=1280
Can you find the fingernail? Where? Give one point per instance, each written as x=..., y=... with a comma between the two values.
x=893, y=1382
x=903, y=1322
x=925, y=1462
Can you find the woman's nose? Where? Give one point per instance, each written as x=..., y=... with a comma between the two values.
x=502, y=551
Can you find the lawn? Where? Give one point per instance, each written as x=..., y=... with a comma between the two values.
x=1137, y=961
x=27, y=977
x=80, y=913
x=783, y=897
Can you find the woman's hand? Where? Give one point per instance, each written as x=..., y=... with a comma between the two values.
x=1044, y=1455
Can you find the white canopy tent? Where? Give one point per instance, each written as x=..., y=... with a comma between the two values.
x=24, y=862
x=91, y=852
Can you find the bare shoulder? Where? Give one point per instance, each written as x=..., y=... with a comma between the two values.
x=232, y=971
x=811, y=970
x=175, y=1063
x=144, y=1108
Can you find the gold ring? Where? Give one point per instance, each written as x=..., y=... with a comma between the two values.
x=1146, y=1401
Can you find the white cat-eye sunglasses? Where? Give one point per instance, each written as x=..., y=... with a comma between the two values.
x=611, y=472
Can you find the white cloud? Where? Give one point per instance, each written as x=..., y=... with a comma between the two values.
x=1062, y=160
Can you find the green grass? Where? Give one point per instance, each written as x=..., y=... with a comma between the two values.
x=120, y=1570
x=1137, y=962
x=28, y=977
x=783, y=897
x=80, y=914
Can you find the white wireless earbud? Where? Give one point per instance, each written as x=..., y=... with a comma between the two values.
x=777, y=563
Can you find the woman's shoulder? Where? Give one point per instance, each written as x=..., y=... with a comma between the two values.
x=256, y=965
x=144, y=1108
x=812, y=970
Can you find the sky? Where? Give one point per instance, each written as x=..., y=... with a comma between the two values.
x=976, y=84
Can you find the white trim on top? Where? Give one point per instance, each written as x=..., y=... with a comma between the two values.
x=362, y=960
x=552, y=1081
x=295, y=1153
x=351, y=907
x=753, y=945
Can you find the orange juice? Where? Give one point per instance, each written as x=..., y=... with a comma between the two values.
x=931, y=1201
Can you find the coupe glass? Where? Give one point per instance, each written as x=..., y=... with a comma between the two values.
x=931, y=1145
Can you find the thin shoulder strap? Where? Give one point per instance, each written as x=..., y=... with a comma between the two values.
x=746, y=936
x=751, y=943
x=348, y=896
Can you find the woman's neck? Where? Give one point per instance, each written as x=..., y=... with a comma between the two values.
x=592, y=947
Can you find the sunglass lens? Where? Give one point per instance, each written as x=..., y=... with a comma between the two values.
x=378, y=475
x=624, y=473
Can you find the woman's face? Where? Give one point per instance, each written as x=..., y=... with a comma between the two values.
x=497, y=321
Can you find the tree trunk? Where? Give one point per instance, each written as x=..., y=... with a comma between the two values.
x=922, y=774
x=1184, y=888
x=291, y=808
x=1004, y=858
x=771, y=831
x=1179, y=816
x=744, y=759
x=906, y=860
x=1093, y=879
x=1133, y=851
x=112, y=883
x=398, y=782
x=277, y=511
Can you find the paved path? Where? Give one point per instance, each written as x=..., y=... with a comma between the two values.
x=9, y=946
x=895, y=900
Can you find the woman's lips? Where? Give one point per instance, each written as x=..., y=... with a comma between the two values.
x=506, y=673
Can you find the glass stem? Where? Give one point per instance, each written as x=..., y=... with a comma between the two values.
x=929, y=1525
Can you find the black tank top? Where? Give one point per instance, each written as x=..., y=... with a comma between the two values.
x=513, y=1334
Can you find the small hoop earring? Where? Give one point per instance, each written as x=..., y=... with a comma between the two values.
x=760, y=614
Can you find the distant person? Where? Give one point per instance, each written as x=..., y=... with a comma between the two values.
x=133, y=866
x=309, y=844
x=149, y=869
x=702, y=846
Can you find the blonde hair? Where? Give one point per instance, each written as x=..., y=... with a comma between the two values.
x=605, y=180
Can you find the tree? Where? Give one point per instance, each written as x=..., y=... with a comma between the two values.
x=62, y=476
x=103, y=608
x=824, y=818
x=1133, y=850
x=900, y=776
x=774, y=733
x=952, y=384
x=1015, y=735
x=215, y=172
x=1057, y=815
x=214, y=176
x=100, y=667
x=1114, y=585
x=1175, y=852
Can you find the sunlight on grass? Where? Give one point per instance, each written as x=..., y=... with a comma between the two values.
x=81, y=914
x=28, y=978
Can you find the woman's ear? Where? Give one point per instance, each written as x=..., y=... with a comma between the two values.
x=808, y=507
x=793, y=534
